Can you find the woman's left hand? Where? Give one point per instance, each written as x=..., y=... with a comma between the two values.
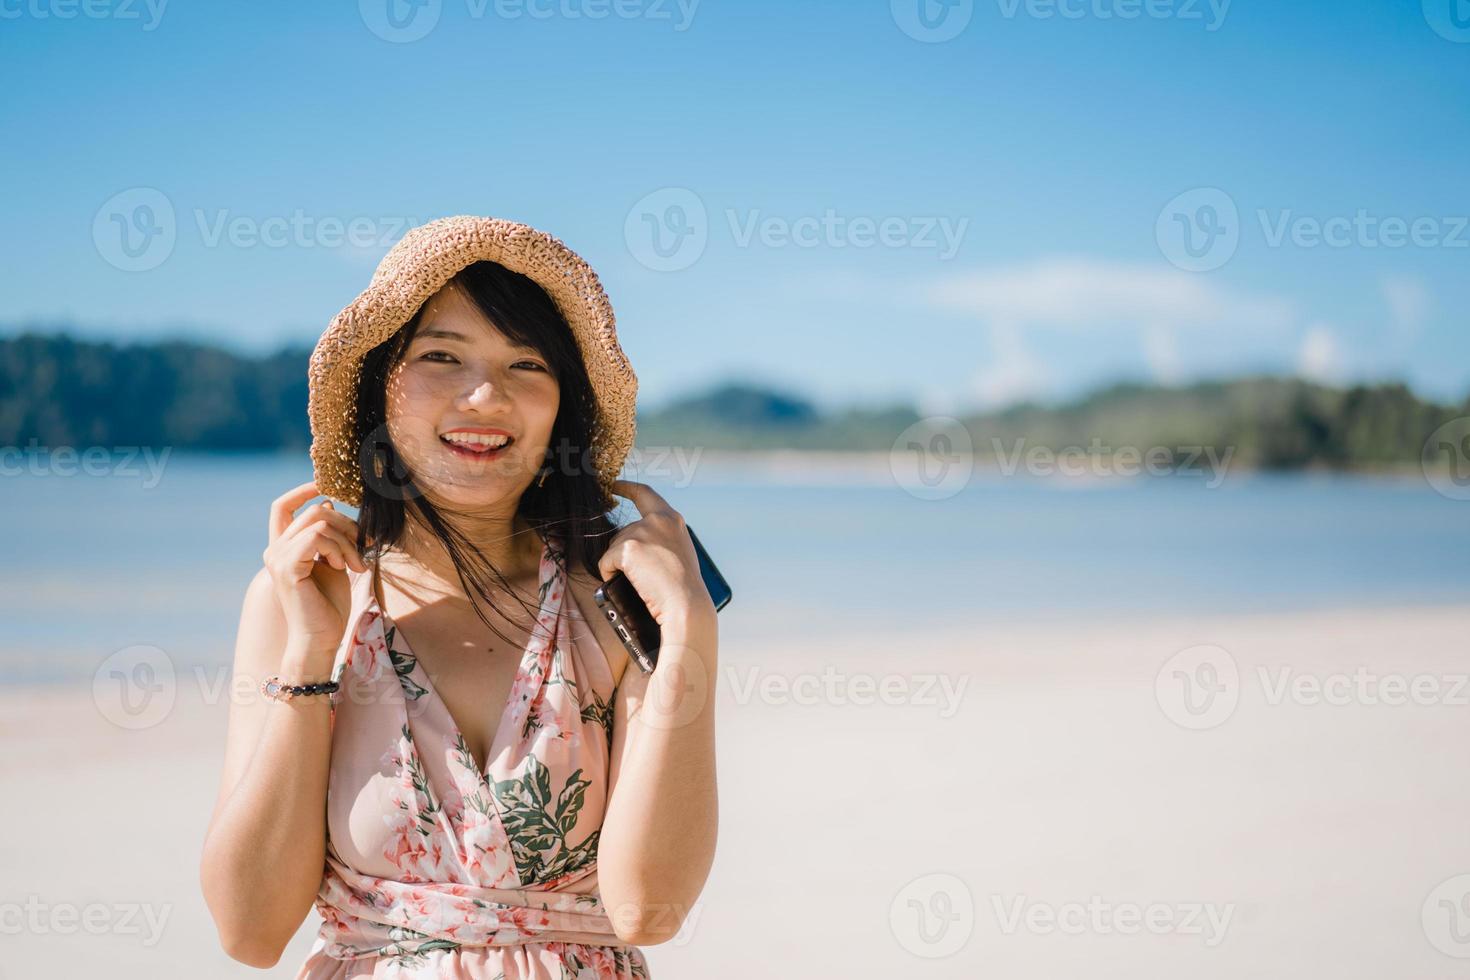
x=657, y=555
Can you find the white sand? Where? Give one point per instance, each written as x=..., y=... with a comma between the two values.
x=1314, y=833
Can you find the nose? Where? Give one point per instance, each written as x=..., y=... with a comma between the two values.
x=483, y=395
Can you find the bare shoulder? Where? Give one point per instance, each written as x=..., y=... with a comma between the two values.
x=581, y=585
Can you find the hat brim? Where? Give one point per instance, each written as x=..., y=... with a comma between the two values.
x=414, y=269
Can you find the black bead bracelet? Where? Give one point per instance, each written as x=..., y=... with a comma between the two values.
x=275, y=689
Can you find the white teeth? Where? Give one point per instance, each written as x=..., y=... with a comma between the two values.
x=476, y=440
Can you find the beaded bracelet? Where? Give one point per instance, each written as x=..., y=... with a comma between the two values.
x=277, y=690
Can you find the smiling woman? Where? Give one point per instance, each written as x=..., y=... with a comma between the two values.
x=493, y=798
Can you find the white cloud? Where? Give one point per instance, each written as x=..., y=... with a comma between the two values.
x=1084, y=293
x=1320, y=357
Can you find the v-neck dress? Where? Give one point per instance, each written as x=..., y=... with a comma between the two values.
x=436, y=869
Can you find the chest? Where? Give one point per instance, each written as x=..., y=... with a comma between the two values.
x=470, y=667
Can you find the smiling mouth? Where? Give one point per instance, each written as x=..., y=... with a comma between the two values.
x=468, y=447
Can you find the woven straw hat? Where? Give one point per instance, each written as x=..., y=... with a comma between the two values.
x=414, y=269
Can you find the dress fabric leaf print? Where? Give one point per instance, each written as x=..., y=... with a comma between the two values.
x=437, y=869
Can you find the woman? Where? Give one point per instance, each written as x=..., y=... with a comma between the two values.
x=474, y=404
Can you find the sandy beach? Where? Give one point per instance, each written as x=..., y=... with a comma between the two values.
x=1030, y=800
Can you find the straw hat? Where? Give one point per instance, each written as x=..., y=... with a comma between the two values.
x=414, y=269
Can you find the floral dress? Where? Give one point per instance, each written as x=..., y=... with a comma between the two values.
x=435, y=869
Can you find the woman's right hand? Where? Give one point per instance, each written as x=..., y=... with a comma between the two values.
x=307, y=558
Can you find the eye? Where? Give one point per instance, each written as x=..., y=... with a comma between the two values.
x=531, y=364
x=430, y=354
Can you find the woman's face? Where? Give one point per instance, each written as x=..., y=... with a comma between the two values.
x=458, y=383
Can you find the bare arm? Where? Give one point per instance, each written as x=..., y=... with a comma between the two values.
x=659, y=834
x=265, y=848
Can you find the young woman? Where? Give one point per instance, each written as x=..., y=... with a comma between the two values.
x=451, y=754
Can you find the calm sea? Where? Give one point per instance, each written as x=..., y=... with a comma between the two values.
x=162, y=557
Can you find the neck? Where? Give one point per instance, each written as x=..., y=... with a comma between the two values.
x=505, y=539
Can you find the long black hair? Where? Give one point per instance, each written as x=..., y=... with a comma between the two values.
x=571, y=502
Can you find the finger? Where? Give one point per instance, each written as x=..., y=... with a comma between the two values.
x=322, y=510
x=330, y=544
x=644, y=497
x=285, y=505
x=610, y=562
x=346, y=544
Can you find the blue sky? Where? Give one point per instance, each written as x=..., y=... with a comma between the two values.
x=1027, y=198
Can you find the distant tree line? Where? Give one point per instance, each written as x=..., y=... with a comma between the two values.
x=57, y=390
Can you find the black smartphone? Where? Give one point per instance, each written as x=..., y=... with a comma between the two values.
x=630, y=618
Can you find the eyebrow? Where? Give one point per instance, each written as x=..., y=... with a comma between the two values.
x=442, y=333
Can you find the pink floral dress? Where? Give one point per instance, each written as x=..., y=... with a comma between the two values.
x=435, y=869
